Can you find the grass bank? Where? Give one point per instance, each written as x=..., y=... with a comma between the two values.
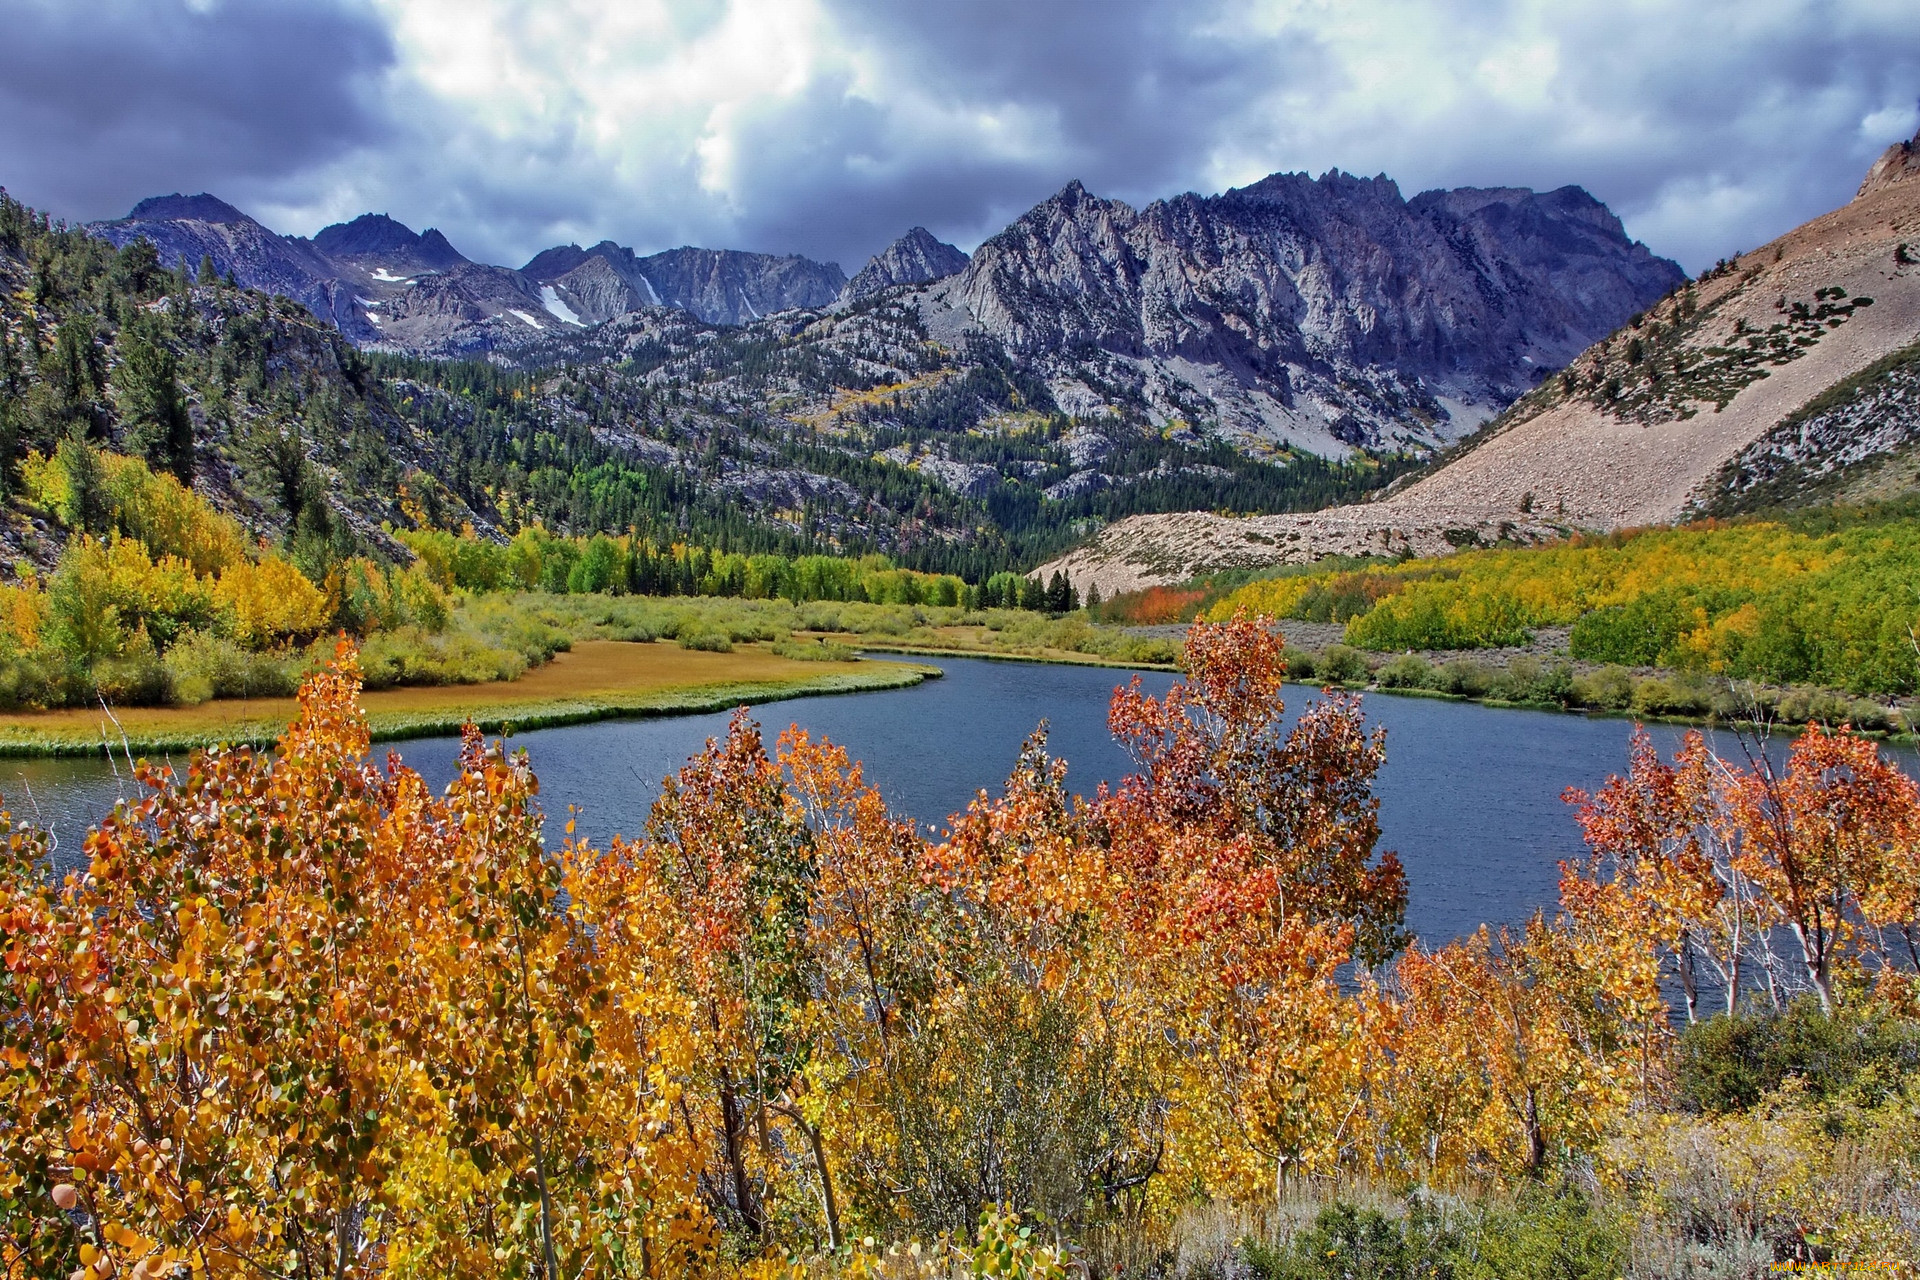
x=596, y=680
x=980, y=641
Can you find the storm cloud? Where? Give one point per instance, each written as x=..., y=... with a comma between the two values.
x=829, y=126
x=104, y=103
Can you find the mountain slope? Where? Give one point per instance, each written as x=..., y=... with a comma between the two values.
x=1647, y=425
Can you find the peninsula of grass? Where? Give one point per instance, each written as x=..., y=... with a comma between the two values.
x=595, y=680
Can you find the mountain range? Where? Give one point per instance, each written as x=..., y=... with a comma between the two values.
x=1281, y=347
x=1324, y=315
x=383, y=285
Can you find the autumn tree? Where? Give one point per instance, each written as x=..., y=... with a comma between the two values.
x=299, y=1016
x=1512, y=1052
x=1717, y=858
x=734, y=869
x=1245, y=855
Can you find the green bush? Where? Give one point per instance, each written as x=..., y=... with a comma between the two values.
x=1729, y=1062
x=413, y=656
x=1609, y=689
x=135, y=679
x=1300, y=665
x=1340, y=664
x=705, y=640
x=1670, y=696
x=34, y=681
x=1408, y=671
x=1541, y=1234
x=1467, y=678
x=202, y=665
x=814, y=651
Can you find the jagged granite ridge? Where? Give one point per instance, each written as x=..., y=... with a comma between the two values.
x=915, y=258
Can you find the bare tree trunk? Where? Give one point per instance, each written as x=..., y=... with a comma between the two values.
x=828, y=1204
x=731, y=1127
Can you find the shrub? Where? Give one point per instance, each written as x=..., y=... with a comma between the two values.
x=814, y=651
x=202, y=665
x=413, y=656
x=1340, y=664
x=705, y=640
x=1610, y=689
x=31, y=681
x=1541, y=1234
x=1467, y=678
x=1408, y=671
x=1527, y=679
x=1670, y=696
x=133, y=679
x=1729, y=1062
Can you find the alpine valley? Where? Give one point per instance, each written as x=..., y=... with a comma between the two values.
x=1280, y=347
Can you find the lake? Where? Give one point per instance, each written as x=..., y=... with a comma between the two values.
x=1469, y=797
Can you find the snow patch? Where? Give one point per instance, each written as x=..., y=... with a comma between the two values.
x=524, y=316
x=385, y=276
x=653, y=295
x=550, y=299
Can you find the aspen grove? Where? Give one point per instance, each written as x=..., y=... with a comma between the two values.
x=297, y=1015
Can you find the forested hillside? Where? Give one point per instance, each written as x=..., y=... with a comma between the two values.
x=660, y=426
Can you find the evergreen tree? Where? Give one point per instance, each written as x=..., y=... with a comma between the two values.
x=1060, y=594
x=85, y=510
x=154, y=413
x=1033, y=595
x=67, y=396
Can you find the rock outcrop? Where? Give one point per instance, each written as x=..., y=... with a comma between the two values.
x=1898, y=163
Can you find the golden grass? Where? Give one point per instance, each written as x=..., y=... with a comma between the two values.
x=596, y=680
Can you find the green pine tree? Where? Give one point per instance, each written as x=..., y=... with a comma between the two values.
x=152, y=409
x=85, y=510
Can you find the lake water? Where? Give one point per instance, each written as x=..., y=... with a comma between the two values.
x=1470, y=796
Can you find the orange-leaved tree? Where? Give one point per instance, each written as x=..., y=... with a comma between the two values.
x=1714, y=860
x=300, y=1016
x=1244, y=855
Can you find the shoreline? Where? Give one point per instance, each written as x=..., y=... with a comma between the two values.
x=1790, y=729
x=1057, y=658
x=73, y=734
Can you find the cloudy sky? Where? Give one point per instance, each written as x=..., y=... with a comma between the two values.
x=827, y=127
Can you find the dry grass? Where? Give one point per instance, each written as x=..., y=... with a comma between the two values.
x=596, y=680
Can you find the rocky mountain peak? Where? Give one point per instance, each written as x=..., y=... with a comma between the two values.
x=179, y=208
x=914, y=258
x=1336, y=312
x=1896, y=164
x=375, y=235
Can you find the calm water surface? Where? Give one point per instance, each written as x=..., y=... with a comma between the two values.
x=1470, y=796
